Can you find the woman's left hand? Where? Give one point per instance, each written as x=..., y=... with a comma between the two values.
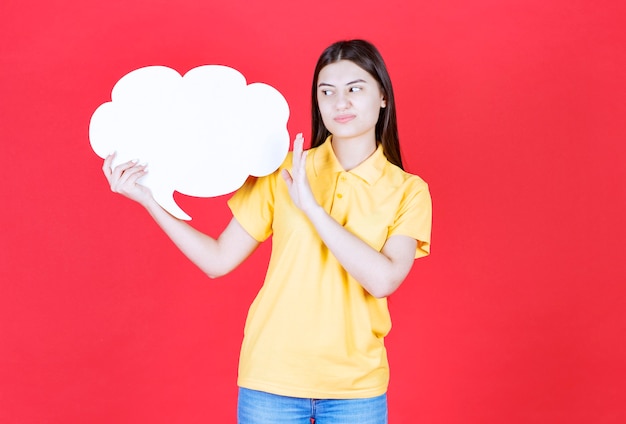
x=297, y=181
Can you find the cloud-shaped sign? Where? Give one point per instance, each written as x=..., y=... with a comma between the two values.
x=202, y=134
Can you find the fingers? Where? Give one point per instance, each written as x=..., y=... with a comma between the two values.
x=128, y=176
x=123, y=177
x=296, y=180
x=298, y=156
x=106, y=165
x=303, y=163
x=114, y=174
x=298, y=144
x=287, y=177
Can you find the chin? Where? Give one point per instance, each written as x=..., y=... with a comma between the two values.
x=347, y=134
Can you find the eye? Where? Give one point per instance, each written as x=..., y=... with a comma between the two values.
x=355, y=89
x=327, y=92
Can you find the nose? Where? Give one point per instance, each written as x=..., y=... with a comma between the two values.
x=343, y=102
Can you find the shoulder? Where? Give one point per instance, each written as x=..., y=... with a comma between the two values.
x=401, y=179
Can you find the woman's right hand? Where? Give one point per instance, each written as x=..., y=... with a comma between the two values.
x=123, y=179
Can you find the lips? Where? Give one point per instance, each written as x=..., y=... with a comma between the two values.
x=342, y=119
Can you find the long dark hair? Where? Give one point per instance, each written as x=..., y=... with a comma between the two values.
x=363, y=54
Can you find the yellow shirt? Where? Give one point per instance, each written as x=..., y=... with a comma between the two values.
x=313, y=331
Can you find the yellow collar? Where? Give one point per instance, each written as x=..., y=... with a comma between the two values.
x=370, y=170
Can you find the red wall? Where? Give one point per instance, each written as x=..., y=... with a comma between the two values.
x=513, y=111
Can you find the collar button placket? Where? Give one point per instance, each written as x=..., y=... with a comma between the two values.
x=340, y=204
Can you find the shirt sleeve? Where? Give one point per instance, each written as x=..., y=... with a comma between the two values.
x=253, y=206
x=414, y=217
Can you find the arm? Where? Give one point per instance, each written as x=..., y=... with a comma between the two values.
x=215, y=257
x=380, y=273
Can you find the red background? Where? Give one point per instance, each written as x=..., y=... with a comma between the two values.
x=513, y=111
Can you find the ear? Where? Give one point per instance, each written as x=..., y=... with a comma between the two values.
x=383, y=103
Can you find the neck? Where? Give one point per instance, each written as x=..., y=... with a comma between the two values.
x=352, y=152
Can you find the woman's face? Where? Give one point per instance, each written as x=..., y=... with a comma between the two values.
x=349, y=100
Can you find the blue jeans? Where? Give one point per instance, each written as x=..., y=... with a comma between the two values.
x=256, y=407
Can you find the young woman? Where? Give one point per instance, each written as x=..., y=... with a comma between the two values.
x=347, y=223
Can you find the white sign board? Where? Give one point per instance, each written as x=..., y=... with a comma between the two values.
x=201, y=134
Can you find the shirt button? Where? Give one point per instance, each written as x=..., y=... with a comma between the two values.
x=339, y=196
x=343, y=178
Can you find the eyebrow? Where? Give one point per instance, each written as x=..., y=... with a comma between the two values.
x=350, y=83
